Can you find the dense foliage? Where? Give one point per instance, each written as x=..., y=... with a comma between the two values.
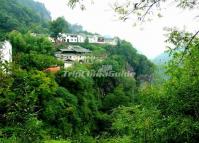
x=60, y=25
x=23, y=16
x=37, y=7
x=37, y=106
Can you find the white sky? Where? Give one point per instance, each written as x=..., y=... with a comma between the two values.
x=148, y=39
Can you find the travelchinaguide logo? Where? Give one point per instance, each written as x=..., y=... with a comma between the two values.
x=103, y=71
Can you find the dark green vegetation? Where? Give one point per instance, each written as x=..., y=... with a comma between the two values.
x=37, y=8
x=53, y=108
x=23, y=15
x=60, y=25
x=37, y=106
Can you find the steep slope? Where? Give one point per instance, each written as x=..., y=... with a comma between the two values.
x=21, y=15
x=37, y=7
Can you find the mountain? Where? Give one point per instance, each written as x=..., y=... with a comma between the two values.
x=161, y=59
x=22, y=15
x=37, y=7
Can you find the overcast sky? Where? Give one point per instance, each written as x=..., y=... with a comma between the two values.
x=148, y=39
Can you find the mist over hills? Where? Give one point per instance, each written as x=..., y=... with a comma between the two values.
x=161, y=59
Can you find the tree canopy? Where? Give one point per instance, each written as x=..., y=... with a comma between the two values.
x=60, y=25
x=38, y=106
x=19, y=15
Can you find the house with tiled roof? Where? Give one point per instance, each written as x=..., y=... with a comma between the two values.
x=71, y=54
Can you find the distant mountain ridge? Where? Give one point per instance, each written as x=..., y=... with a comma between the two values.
x=161, y=59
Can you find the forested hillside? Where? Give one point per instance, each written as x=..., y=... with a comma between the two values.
x=43, y=107
x=37, y=106
x=37, y=7
x=22, y=15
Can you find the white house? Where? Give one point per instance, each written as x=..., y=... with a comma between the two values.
x=5, y=51
x=92, y=39
x=80, y=38
x=72, y=54
x=111, y=41
x=69, y=38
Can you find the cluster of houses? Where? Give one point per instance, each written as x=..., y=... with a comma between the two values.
x=74, y=53
x=81, y=38
x=68, y=54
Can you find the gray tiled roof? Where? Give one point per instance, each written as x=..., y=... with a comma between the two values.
x=77, y=49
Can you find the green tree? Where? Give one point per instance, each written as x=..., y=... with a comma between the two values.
x=37, y=61
x=60, y=25
x=26, y=43
x=16, y=15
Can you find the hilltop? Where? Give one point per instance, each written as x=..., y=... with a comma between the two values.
x=23, y=15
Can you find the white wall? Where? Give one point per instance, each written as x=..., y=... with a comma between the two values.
x=81, y=39
x=64, y=37
x=6, y=52
x=68, y=38
x=67, y=65
x=93, y=39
